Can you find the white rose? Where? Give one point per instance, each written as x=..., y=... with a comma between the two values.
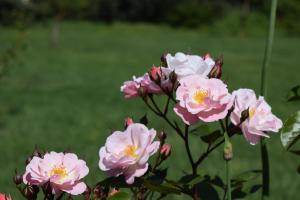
x=185, y=65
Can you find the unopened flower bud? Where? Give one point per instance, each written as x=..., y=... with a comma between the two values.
x=162, y=136
x=227, y=151
x=155, y=74
x=165, y=151
x=37, y=153
x=173, y=77
x=27, y=161
x=18, y=179
x=113, y=192
x=216, y=71
x=98, y=191
x=128, y=121
x=164, y=60
x=142, y=92
x=29, y=192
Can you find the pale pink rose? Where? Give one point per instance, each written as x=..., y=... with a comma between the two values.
x=4, y=197
x=185, y=65
x=63, y=171
x=127, y=153
x=260, y=120
x=202, y=99
x=130, y=88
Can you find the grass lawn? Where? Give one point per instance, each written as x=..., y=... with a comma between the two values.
x=69, y=98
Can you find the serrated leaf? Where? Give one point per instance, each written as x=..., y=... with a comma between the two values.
x=120, y=196
x=290, y=131
x=294, y=94
x=161, y=188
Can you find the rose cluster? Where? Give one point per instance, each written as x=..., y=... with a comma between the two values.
x=202, y=96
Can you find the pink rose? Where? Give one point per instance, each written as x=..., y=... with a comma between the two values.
x=130, y=88
x=4, y=197
x=260, y=118
x=185, y=65
x=126, y=153
x=62, y=171
x=202, y=99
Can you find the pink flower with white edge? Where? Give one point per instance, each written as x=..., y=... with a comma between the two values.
x=63, y=171
x=4, y=197
x=202, y=99
x=127, y=153
x=131, y=88
x=260, y=119
x=185, y=65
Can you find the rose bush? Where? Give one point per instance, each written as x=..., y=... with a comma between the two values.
x=133, y=158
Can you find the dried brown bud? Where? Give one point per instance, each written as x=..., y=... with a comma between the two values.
x=162, y=136
x=18, y=179
x=142, y=92
x=164, y=60
x=216, y=71
x=173, y=77
x=244, y=115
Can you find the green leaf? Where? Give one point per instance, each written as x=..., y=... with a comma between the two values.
x=211, y=137
x=162, y=188
x=202, y=129
x=290, y=132
x=240, y=179
x=294, y=94
x=120, y=196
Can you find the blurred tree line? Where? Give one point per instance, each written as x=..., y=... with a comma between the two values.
x=187, y=13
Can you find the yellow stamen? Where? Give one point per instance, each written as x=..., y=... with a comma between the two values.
x=251, y=112
x=58, y=171
x=130, y=150
x=200, y=96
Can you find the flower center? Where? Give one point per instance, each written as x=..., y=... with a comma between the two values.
x=252, y=112
x=130, y=150
x=58, y=171
x=200, y=96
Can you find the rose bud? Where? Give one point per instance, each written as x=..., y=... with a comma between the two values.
x=173, y=77
x=216, y=71
x=128, y=121
x=4, y=197
x=164, y=60
x=113, y=192
x=244, y=115
x=165, y=150
x=18, y=179
x=27, y=161
x=29, y=192
x=155, y=74
x=227, y=151
x=162, y=136
x=142, y=92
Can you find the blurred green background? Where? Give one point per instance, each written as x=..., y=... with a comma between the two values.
x=62, y=64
